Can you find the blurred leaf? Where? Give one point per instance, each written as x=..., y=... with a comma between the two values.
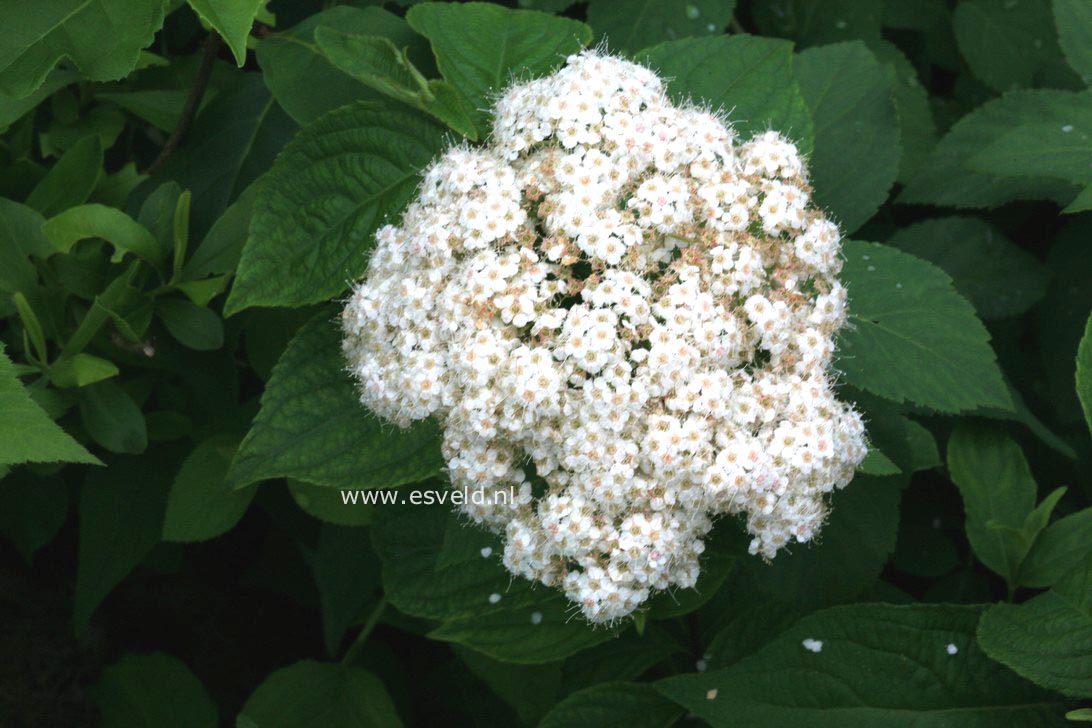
x=70, y=181
x=232, y=19
x=201, y=506
x=326, y=195
x=112, y=418
x=326, y=504
x=154, y=690
x=912, y=337
x=312, y=427
x=347, y=575
x=630, y=25
x=1073, y=19
x=81, y=370
x=221, y=247
x=857, y=151
x=810, y=23
x=1005, y=43
x=20, y=237
x=159, y=107
x=530, y=689
x=750, y=78
x=627, y=657
x=32, y=510
x=26, y=432
x=1047, y=639
x=1083, y=377
x=194, y=326
x=310, y=693
x=613, y=704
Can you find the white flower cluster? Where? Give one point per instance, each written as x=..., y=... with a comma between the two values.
x=623, y=318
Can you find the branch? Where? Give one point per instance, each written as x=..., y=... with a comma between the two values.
x=193, y=101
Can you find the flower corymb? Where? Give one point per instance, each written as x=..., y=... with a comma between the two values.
x=623, y=317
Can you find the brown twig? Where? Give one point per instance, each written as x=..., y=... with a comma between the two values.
x=193, y=101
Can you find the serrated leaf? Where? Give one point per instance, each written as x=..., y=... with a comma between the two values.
x=110, y=224
x=200, y=505
x=1060, y=548
x=997, y=486
x=480, y=48
x=997, y=276
x=946, y=177
x=613, y=704
x=1047, y=639
x=437, y=567
x=749, y=78
x=323, y=200
x=310, y=693
x=326, y=504
x=1005, y=43
x=71, y=180
x=103, y=38
x=878, y=664
x=1073, y=19
x=857, y=150
x=153, y=691
x=121, y=517
x=911, y=337
x=26, y=432
x=630, y=25
x=311, y=425
x=232, y=19
x=1046, y=148
x=305, y=83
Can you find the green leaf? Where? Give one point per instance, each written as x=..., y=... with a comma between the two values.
x=947, y=178
x=724, y=547
x=750, y=78
x=1047, y=639
x=1081, y=203
x=159, y=107
x=1005, y=43
x=32, y=328
x=857, y=151
x=303, y=80
x=26, y=432
x=81, y=370
x=103, y=38
x=1043, y=148
x=625, y=658
x=613, y=704
x=13, y=108
x=630, y=25
x=221, y=247
x=480, y=48
x=310, y=693
x=320, y=205
x=112, y=418
x=201, y=506
x=912, y=337
x=917, y=130
x=326, y=504
x=1080, y=714
x=71, y=180
x=531, y=690
x=347, y=575
x=909, y=446
x=110, y=224
x=437, y=567
x=1061, y=546
x=312, y=427
x=194, y=326
x=1073, y=19
x=32, y=509
x=232, y=19
x=20, y=237
x=1083, y=377
x=878, y=664
x=153, y=691
x=810, y=23
x=997, y=486
x=121, y=517
x=997, y=276
x=378, y=64
x=876, y=463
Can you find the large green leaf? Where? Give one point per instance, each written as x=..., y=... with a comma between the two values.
x=1047, y=639
x=1044, y=148
x=311, y=425
x=327, y=193
x=200, y=505
x=305, y=84
x=810, y=23
x=997, y=488
x=121, y=517
x=630, y=25
x=153, y=691
x=27, y=434
x=866, y=665
x=1060, y=547
x=480, y=47
x=857, y=151
x=947, y=178
x=437, y=566
x=748, y=77
x=103, y=38
x=231, y=19
x=917, y=130
x=613, y=704
x=71, y=180
x=310, y=693
x=912, y=337
x=1005, y=43
x=998, y=277
x=1074, y=22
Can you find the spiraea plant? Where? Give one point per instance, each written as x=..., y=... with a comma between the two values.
x=624, y=297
